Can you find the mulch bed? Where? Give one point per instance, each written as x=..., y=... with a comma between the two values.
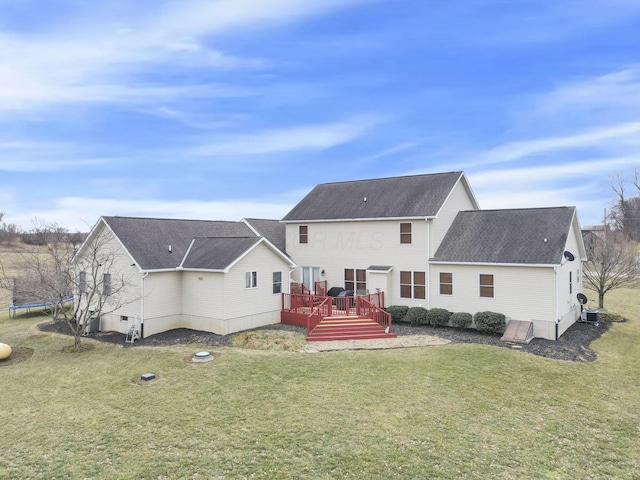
x=573, y=345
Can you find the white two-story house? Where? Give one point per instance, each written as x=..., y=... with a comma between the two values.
x=418, y=240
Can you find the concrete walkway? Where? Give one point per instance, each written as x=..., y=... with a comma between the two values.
x=403, y=341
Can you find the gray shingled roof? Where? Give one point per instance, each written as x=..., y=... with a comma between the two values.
x=217, y=253
x=508, y=236
x=148, y=239
x=395, y=197
x=272, y=230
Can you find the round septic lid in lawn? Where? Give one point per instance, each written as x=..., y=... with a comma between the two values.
x=203, y=357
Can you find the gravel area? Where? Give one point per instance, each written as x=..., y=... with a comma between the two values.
x=573, y=345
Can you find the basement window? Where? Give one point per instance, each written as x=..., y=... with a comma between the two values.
x=124, y=318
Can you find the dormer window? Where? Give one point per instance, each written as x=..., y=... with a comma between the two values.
x=303, y=234
x=405, y=233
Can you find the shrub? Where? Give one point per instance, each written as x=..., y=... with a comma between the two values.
x=461, y=319
x=397, y=312
x=607, y=316
x=416, y=316
x=438, y=316
x=490, y=322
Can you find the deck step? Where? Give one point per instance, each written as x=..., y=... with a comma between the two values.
x=518, y=331
x=348, y=328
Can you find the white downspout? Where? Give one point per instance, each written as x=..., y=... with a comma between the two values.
x=146, y=274
x=428, y=264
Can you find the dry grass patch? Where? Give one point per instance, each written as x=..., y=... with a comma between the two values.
x=269, y=340
x=18, y=355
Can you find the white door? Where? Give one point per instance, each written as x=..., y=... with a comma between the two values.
x=310, y=275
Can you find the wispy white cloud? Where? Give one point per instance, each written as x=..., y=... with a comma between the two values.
x=566, y=173
x=304, y=137
x=95, y=58
x=617, y=91
x=606, y=137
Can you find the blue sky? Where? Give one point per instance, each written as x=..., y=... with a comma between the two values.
x=225, y=109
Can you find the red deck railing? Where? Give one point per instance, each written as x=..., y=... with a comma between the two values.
x=323, y=310
x=297, y=307
x=372, y=311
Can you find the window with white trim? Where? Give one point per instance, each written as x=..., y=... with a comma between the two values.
x=446, y=283
x=355, y=279
x=106, y=284
x=251, y=280
x=413, y=284
x=303, y=234
x=570, y=283
x=486, y=286
x=277, y=282
x=405, y=233
x=82, y=282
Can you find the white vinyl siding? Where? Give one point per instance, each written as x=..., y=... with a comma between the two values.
x=458, y=200
x=520, y=293
x=341, y=245
x=121, y=267
x=220, y=303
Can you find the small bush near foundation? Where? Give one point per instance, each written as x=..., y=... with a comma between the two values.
x=438, y=316
x=416, y=316
x=461, y=319
x=397, y=312
x=490, y=322
x=608, y=316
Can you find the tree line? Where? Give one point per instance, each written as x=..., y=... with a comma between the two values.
x=40, y=234
x=614, y=254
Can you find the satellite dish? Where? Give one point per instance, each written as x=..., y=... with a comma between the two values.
x=582, y=298
x=569, y=256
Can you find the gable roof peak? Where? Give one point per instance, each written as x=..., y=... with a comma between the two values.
x=410, y=196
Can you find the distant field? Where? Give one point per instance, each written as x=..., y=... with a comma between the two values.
x=455, y=411
x=11, y=260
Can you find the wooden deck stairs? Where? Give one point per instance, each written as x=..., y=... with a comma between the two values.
x=347, y=328
x=518, y=331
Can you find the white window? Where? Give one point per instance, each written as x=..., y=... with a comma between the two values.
x=413, y=285
x=405, y=233
x=570, y=283
x=486, y=286
x=277, y=282
x=303, y=234
x=124, y=318
x=82, y=282
x=106, y=284
x=251, y=279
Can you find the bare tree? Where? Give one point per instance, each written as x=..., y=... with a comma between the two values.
x=79, y=282
x=9, y=232
x=613, y=263
x=625, y=214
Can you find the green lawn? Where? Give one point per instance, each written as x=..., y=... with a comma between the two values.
x=455, y=411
